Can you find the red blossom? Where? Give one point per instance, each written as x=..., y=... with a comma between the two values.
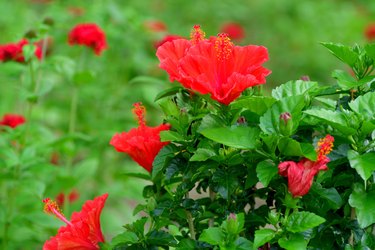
x=301, y=174
x=82, y=231
x=234, y=30
x=142, y=144
x=72, y=197
x=370, y=32
x=12, y=120
x=90, y=35
x=214, y=66
x=13, y=51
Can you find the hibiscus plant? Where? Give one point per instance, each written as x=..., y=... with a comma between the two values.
x=236, y=167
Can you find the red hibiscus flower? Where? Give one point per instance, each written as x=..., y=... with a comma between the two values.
x=13, y=51
x=90, y=35
x=234, y=30
x=215, y=66
x=12, y=120
x=142, y=144
x=370, y=32
x=82, y=231
x=301, y=174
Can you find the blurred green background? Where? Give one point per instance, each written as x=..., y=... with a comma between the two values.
x=126, y=73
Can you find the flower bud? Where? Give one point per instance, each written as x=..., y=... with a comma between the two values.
x=305, y=78
x=232, y=224
x=273, y=217
x=286, y=123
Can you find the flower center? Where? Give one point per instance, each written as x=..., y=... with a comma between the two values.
x=51, y=207
x=223, y=46
x=197, y=35
x=139, y=110
x=325, y=146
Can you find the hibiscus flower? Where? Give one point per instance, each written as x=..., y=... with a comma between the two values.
x=90, y=35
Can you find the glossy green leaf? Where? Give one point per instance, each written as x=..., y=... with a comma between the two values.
x=293, y=88
x=343, y=53
x=291, y=147
x=124, y=238
x=364, y=204
x=256, y=104
x=330, y=195
x=235, y=136
x=364, y=106
x=293, y=242
x=243, y=244
x=370, y=50
x=269, y=122
x=337, y=120
x=212, y=235
x=301, y=221
x=202, y=154
x=167, y=135
x=262, y=236
x=162, y=158
x=363, y=164
x=266, y=170
x=344, y=80
x=168, y=92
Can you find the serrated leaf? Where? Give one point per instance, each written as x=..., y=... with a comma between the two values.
x=343, y=53
x=161, y=159
x=293, y=88
x=344, y=80
x=266, y=170
x=235, y=136
x=212, y=235
x=301, y=221
x=270, y=121
x=256, y=104
x=293, y=242
x=363, y=164
x=364, y=204
x=124, y=238
x=364, y=106
x=262, y=236
x=330, y=195
x=291, y=147
x=167, y=135
x=202, y=154
x=337, y=120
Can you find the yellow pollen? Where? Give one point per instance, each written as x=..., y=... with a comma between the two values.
x=223, y=46
x=325, y=146
x=197, y=35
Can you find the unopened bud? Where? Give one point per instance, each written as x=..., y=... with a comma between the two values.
x=241, y=121
x=232, y=224
x=31, y=34
x=286, y=123
x=305, y=78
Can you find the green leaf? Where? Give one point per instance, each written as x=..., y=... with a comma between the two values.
x=28, y=51
x=301, y=221
x=293, y=242
x=364, y=106
x=363, y=164
x=162, y=158
x=291, y=147
x=203, y=154
x=167, y=135
x=124, y=238
x=344, y=80
x=293, y=88
x=235, y=136
x=330, y=195
x=243, y=244
x=256, y=104
x=160, y=238
x=168, y=92
x=364, y=204
x=211, y=121
x=339, y=121
x=266, y=170
x=370, y=50
x=212, y=235
x=343, y=53
x=137, y=175
x=83, y=77
x=262, y=236
x=269, y=122
x=227, y=183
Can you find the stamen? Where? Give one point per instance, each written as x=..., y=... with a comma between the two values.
x=223, y=46
x=197, y=35
x=325, y=146
x=140, y=111
x=51, y=207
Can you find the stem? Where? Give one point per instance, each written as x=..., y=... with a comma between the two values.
x=352, y=217
x=190, y=221
x=212, y=195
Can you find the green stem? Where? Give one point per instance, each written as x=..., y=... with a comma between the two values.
x=212, y=198
x=190, y=221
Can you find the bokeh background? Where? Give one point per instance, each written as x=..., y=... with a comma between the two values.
x=126, y=73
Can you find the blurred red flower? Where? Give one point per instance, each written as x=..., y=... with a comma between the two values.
x=167, y=38
x=142, y=144
x=234, y=30
x=301, y=174
x=90, y=35
x=13, y=51
x=72, y=197
x=155, y=26
x=12, y=120
x=370, y=32
x=214, y=66
x=82, y=231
